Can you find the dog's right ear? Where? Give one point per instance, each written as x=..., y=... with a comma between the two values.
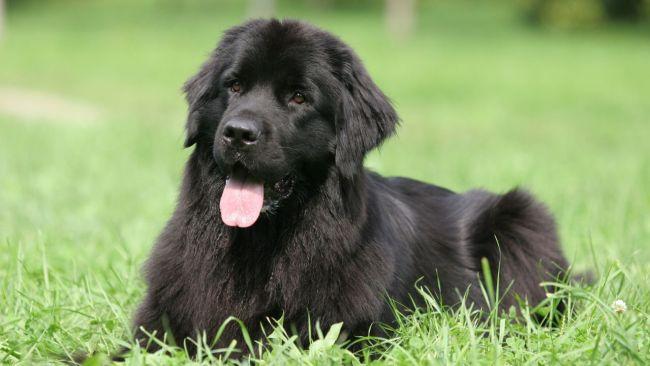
x=200, y=89
x=204, y=86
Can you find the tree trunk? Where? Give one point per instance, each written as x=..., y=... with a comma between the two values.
x=261, y=8
x=400, y=18
x=2, y=18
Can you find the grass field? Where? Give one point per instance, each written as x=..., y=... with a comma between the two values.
x=91, y=128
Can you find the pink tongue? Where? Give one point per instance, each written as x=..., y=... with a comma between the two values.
x=241, y=201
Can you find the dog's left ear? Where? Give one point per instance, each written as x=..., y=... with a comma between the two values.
x=365, y=117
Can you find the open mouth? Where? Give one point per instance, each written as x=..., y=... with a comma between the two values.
x=245, y=197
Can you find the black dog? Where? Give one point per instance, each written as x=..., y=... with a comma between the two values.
x=278, y=217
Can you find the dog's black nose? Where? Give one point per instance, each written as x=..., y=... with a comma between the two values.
x=241, y=132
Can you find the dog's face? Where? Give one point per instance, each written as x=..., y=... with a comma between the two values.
x=276, y=103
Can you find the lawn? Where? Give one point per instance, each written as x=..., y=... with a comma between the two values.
x=91, y=128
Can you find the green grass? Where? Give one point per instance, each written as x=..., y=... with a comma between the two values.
x=485, y=101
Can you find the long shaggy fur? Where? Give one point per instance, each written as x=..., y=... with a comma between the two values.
x=346, y=238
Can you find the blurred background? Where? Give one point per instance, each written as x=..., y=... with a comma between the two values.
x=549, y=94
x=552, y=95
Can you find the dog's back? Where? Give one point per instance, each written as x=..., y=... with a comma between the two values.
x=453, y=232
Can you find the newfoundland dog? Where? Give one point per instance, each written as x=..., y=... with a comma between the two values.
x=277, y=217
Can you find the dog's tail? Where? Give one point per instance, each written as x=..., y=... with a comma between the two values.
x=524, y=229
x=517, y=235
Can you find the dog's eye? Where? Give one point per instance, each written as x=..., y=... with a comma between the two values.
x=298, y=98
x=235, y=86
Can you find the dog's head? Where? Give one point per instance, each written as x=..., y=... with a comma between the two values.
x=276, y=102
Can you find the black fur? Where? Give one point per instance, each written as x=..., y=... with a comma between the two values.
x=344, y=237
